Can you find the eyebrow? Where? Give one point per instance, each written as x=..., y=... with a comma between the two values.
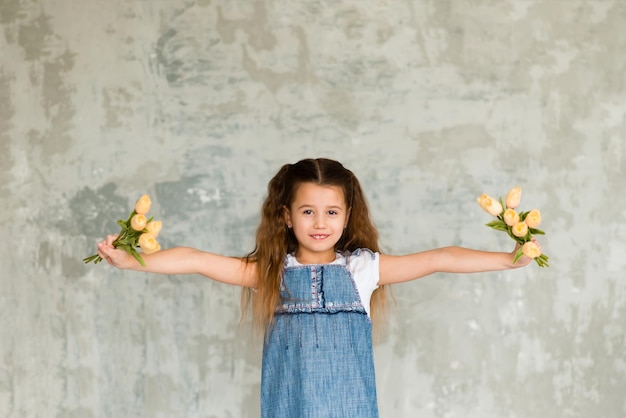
x=307, y=205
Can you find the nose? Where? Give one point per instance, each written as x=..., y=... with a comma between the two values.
x=320, y=221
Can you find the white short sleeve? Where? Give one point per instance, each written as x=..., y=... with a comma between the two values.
x=363, y=264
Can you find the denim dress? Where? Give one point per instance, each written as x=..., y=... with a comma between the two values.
x=318, y=358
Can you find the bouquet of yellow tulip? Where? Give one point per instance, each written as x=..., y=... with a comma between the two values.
x=520, y=226
x=137, y=231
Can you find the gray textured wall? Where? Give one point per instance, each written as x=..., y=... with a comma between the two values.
x=198, y=102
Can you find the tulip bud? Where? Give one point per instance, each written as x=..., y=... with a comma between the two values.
x=513, y=197
x=511, y=217
x=138, y=222
x=520, y=229
x=533, y=219
x=143, y=204
x=154, y=227
x=148, y=243
x=489, y=205
x=531, y=250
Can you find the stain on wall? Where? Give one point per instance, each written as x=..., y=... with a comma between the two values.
x=198, y=103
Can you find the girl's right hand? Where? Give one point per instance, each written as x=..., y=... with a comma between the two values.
x=117, y=258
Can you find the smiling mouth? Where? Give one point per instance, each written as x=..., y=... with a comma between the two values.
x=320, y=236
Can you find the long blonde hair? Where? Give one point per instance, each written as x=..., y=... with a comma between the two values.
x=274, y=240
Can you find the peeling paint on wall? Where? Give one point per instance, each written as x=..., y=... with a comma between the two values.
x=198, y=103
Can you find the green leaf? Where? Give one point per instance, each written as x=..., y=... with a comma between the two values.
x=126, y=241
x=498, y=225
x=536, y=231
x=518, y=255
x=135, y=254
x=125, y=247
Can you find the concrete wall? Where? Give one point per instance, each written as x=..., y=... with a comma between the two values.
x=198, y=103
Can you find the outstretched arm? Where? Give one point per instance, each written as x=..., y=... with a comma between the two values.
x=397, y=269
x=183, y=260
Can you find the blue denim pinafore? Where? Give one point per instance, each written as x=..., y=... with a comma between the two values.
x=317, y=358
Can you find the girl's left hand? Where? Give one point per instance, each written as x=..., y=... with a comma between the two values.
x=523, y=260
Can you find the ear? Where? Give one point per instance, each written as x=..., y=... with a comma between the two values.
x=287, y=216
x=347, y=218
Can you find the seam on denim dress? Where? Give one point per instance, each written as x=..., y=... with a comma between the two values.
x=350, y=331
x=318, y=298
x=319, y=277
x=316, y=287
x=286, y=336
x=317, y=341
x=299, y=331
x=334, y=334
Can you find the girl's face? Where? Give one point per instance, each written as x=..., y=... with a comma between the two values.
x=318, y=216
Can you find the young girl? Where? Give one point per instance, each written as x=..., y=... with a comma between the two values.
x=314, y=281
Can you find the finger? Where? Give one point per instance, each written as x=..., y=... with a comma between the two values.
x=104, y=251
x=102, y=248
x=106, y=248
x=110, y=238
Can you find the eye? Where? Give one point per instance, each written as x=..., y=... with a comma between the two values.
x=307, y=211
x=333, y=212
